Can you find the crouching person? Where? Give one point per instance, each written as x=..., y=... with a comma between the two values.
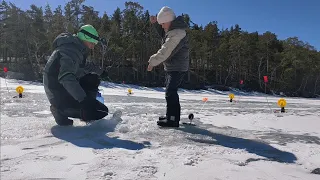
x=71, y=84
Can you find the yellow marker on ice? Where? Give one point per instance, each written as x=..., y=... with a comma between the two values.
x=19, y=90
x=231, y=96
x=129, y=91
x=282, y=103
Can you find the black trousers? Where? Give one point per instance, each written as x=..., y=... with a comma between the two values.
x=70, y=107
x=173, y=81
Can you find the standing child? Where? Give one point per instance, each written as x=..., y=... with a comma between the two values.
x=174, y=54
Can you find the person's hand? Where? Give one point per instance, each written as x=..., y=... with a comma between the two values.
x=153, y=19
x=150, y=67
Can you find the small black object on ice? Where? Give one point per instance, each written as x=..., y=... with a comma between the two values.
x=190, y=117
x=316, y=171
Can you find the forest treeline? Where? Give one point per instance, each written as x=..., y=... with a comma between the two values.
x=219, y=58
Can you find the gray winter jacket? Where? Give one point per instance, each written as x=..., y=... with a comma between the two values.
x=65, y=66
x=174, y=52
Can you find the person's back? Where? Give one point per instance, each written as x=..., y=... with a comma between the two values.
x=70, y=46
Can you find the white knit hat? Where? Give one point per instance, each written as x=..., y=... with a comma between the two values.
x=165, y=14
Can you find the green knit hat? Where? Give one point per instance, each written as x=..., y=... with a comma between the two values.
x=88, y=33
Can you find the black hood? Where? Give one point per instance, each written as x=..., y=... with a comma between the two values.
x=66, y=39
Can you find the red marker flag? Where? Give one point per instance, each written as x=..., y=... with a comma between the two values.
x=5, y=69
x=265, y=79
x=241, y=81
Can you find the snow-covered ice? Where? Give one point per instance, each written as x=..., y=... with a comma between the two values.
x=243, y=140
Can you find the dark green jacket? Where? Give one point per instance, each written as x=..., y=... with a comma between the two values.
x=65, y=66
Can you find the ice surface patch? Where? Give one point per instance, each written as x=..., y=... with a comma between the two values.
x=109, y=123
x=42, y=112
x=124, y=129
x=105, y=124
x=241, y=140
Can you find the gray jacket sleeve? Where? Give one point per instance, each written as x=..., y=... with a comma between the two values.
x=67, y=77
x=169, y=47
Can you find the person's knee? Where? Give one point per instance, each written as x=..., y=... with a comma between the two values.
x=105, y=113
x=101, y=113
x=60, y=118
x=105, y=110
x=171, y=93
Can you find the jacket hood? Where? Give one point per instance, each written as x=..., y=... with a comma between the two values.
x=69, y=39
x=178, y=23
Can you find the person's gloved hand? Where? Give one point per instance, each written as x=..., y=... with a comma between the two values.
x=88, y=107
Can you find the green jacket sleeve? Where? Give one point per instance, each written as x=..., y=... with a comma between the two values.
x=67, y=76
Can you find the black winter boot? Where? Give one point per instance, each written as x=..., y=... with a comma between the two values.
x=60, y=118
x=163, y=122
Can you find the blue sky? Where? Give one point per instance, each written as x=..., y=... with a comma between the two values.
x=285, y=18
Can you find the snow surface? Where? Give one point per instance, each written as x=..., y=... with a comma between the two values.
x=244, y=140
